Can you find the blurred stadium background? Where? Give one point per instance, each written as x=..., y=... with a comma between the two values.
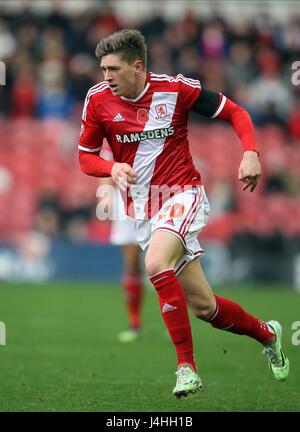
x=48, y=224
x=49, y=232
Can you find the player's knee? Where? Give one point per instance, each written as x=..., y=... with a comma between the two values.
x=203, y=308
x=154, y=266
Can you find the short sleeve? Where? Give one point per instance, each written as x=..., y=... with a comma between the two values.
x=189, y=91
x=92, y=133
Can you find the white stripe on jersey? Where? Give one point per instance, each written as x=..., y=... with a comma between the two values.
x=221, y=106
x=193, y=81
x=87, y=149
x=149, y=149
x=174, y=78
x=163, y=77
x=177, y=80
x=96, y=86
x=170, y=77
x=95, y=89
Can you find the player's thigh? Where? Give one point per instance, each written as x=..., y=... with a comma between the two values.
x=131, y=258
x=198, y=293
x=164, y=250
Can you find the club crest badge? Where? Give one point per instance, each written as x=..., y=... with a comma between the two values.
x=161, y=111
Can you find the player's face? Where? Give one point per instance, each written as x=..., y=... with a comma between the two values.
x=121, y=76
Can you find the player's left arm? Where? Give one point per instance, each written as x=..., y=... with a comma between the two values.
x=216, y=105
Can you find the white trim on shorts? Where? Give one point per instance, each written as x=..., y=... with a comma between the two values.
x=186, y=232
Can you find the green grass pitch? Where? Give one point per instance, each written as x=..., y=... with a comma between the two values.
x=61, y=354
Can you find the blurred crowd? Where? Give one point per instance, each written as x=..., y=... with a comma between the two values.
x=50, y=65
x=50, y=60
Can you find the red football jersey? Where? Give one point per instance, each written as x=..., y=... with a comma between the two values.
x=149, y=133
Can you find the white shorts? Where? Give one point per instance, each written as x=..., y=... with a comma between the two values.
x=122, y=232
x=184, y=215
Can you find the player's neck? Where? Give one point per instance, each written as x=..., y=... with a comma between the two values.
x=139, y=86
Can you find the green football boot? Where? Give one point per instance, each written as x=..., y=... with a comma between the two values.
x=278, y=362
x=188, y=382
x=129, y=335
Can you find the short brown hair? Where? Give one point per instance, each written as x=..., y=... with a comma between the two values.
x=130, y=44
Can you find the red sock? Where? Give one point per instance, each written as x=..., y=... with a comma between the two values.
x=133, y=289
x=232, y=317
x=174, y=312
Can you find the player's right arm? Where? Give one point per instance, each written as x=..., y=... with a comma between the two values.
x=90, y=143
x=215, y=105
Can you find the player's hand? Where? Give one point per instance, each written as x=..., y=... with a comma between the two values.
x=123, y=175
x=250, y=170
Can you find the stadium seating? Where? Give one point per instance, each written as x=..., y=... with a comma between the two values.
x=37, y=154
